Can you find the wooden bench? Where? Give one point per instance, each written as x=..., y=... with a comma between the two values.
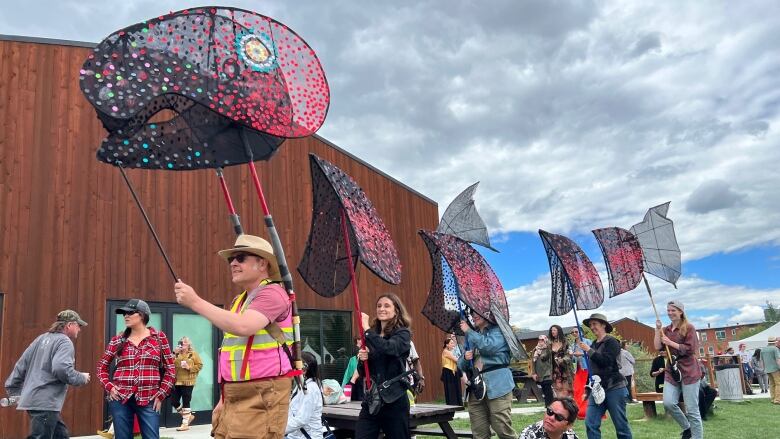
x=439, y=432
x=648, y=402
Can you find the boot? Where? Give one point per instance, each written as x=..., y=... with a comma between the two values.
x=186, y=416
x=192, y=417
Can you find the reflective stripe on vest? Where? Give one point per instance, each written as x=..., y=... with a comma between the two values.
x=264, y=346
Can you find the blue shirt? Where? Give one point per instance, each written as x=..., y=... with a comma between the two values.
x=575, y=347
x=491, y=348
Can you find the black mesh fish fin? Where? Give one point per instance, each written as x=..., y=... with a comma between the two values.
x=662, y=257
x=462, y=219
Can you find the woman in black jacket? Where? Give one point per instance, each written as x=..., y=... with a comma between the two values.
x=603, y=360
x=387, y=348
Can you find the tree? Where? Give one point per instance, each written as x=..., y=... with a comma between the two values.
x=771, y=313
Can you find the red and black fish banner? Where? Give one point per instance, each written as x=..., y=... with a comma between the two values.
x=460, y=273
x=324, y=263
x=623, y=257
x=236, y=83
x=572, y=274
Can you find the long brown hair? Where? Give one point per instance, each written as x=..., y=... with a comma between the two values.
x=400, y=320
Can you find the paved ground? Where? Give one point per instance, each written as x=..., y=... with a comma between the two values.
x=202, y=431
x=196, y=431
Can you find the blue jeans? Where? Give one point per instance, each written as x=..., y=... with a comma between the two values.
x=615, y=402
x=692, y=418
x=148, y=419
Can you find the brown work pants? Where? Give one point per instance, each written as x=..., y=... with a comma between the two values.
x=254, y=409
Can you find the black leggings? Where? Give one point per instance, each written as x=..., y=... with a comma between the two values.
x=392, y=419
x=183, y=393
x=547, y=391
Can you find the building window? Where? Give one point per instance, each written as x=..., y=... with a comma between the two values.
x=734, y=331
x=720, y=335
x=703, y=336
x=701, y=351
x=710, y=350
x=328, y=335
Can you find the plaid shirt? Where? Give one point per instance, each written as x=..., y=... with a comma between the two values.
x=138, y=368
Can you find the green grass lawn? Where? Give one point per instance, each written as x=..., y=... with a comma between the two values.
x=753, y=418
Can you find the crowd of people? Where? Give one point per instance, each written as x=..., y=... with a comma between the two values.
x=138, y=370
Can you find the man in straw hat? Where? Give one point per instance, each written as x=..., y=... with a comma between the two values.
x=41, y=377
x=770, y=356
x=254, y=365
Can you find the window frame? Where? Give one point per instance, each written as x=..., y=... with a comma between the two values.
x=718, y=336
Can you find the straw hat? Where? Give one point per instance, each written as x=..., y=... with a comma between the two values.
x=256, y=246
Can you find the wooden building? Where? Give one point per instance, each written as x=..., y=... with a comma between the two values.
x=632, y=330
x=71, y=236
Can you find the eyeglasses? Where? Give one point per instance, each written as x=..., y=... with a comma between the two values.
x=558, y=417
x=240, y=257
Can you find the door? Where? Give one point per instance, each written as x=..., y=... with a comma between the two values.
x=176, y=321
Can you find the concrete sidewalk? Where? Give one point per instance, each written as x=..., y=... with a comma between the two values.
x=196, y=431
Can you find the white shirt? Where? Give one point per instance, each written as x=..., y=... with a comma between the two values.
x=305, y=412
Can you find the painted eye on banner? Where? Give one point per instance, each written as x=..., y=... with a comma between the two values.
x=257, y=51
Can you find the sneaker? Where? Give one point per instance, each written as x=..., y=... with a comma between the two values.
x=686, y=434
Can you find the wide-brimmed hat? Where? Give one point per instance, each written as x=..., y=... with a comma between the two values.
x=135, y=305
x=600, y=318
x=256, y=246
x=771, y=339
x=69, y=315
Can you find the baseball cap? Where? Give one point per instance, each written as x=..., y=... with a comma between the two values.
x=69, y=315
x=135, y=305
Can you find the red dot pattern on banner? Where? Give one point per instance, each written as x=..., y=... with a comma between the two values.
x=571, y=272
x=459, y=273
x=248, y=69
x=623, y=257
x=323, y=266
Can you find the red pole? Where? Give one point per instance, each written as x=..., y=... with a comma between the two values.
x=276, y=243
x=358, y=314
x=231, y=208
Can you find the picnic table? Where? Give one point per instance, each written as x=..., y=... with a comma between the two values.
x=529, y=389
x=343, y=418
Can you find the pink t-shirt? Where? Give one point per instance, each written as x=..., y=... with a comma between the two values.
x=272, y=302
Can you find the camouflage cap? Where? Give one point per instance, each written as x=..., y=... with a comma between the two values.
x=70, y=316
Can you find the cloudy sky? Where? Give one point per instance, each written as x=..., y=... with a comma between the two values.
x=574, y=115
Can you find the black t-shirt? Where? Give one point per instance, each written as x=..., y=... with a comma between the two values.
x=658, y=363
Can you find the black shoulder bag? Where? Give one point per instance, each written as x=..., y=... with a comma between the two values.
x=388, y=392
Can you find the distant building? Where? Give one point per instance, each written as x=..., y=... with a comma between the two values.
x=636, y=332
x=631, y=330
x=713, y=340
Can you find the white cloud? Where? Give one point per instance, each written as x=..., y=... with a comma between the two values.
x=705, y=302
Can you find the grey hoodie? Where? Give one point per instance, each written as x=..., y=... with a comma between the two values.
x=42, y=375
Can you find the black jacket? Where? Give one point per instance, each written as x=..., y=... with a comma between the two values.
x=603, y=358
x=386, y=354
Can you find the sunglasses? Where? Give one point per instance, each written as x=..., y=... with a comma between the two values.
x=240, y=257
x=129, y=313
x=558, y=417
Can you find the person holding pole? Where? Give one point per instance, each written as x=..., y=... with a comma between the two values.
x=680, y=338
x=255, y=369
